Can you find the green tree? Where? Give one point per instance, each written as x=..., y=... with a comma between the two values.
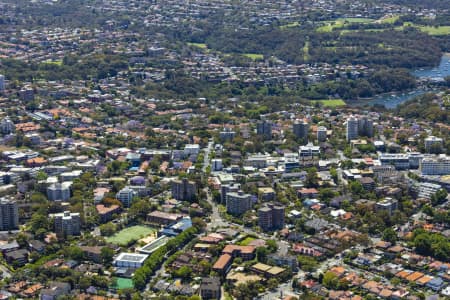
x=107, y=255
x=330, y=280
x=389, y=235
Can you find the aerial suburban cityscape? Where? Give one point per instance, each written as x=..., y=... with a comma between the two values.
x=224, y=149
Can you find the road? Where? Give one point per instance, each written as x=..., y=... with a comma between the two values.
x=216, y=218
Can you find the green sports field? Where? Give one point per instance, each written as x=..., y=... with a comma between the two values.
x=130, y=234
x=330, y=103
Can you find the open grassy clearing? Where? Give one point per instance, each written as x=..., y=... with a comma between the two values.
x=198, y=45
x=306, y=51
x=247, y=241
x=254, y=56
x=339, y=23
x=388, y=20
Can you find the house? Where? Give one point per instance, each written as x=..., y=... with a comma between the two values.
x=435, y=284
x=210, y=288
x=18, y=257
x=35, y=245
x=55, y=290
x=93, y=253
x=308, y=193
x=317, y=224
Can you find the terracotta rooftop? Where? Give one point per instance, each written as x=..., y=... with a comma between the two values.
x=222, y=262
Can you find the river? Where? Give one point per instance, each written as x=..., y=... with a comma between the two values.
x=392, y=100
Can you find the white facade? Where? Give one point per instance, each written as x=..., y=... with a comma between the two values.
x=435, y=166
x=125, y=196
x=191, y=149
x=130, y=260
x=59, y=191
x=309, y=151
x=352, y=128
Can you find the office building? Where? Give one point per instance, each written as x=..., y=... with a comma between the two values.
x=67, y=224
x=264, y=129
x=399, y=160
x=321, y=134
x=388, y=205
x=7, y=126
x=309, y=151
x=415, y=159
x=191, y=149
x=210, y=288
x=2, y=83
x=216, y=164
x=238, y=202
x=9, y=214
x=227, y=134
x=291, y=161
x=125, y=196
x=433, y=144
x=226, y=188
x=352, y=128
x=59, y=191
x=301, y=129
x=271, y=217
x=435, y=165
x=26, y=94
x=365, y=127
x=184, y=190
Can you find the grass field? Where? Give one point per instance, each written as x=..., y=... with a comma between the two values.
x=330, y=102
x=389, y=20
x=254, y=56
x=339, y=23
x=198, y=45
x=247, y=241
x=129, y=234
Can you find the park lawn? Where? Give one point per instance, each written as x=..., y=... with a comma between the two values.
x=330, y=102
x=247, y=241
x=130, y=234
x=254, y=56
x=198, y=45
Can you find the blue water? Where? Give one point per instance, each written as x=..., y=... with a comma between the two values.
x=435, y=74
x=393, y=100
x=438, y=73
